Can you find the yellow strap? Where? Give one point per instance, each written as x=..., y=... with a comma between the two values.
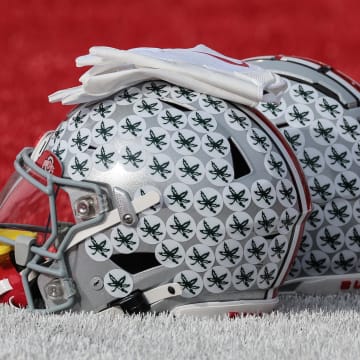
x=12, y=234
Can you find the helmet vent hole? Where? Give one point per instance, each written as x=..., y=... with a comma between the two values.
x=178, y=105
x=240, y=165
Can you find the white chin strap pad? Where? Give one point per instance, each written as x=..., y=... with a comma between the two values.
x=146, y=201
x=163, y=292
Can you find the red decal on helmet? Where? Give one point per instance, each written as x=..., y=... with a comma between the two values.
x=50, y=163
x=347, y=78
x=236, y=314
x=348, y=284
x=233, y=314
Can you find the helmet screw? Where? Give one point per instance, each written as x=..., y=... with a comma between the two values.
x=83, y=207
x=54, y=289
x=86, y=207
x=97, y=283
x=171, y=290
x=128, y=219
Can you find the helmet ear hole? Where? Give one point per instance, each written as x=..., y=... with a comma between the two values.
x=177, y=105
x=135, y=262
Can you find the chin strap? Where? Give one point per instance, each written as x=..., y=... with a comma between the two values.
x=141, y=301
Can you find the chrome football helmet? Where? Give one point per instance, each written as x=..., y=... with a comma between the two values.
x=319, y=116
x=161, y=198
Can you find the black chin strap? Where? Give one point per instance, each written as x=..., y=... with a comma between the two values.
x=135, y=303
x=139, y=302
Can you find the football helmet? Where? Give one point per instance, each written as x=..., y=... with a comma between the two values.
x=157, y=198
x=319, y=117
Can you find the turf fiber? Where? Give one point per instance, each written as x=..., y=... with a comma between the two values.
x=309, y=328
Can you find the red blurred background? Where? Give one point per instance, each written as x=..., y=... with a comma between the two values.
x=41, y=38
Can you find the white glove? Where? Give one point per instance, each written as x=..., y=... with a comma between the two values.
x=200, y=68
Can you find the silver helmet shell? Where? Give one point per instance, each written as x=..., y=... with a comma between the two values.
x=227, y=219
